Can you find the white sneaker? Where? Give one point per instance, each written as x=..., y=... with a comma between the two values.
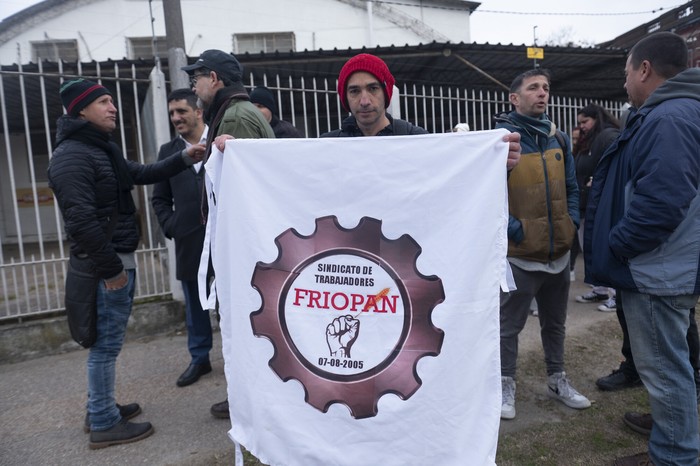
x=608, y=306
x=559, y=388
x=507, y=398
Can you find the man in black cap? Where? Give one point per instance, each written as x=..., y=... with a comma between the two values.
x=92, y=183
x=262, y=98
x=216, y=78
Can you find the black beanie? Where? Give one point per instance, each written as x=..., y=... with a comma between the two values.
x=262, y=95
x=79, y=93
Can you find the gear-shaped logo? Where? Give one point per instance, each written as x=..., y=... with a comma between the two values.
x=348, y=314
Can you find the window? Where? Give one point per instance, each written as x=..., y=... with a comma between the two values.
x=142, y=47
x=264, y=42
x=54, y=50
x=653, y=27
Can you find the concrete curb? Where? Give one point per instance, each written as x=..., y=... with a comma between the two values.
x=44, y=337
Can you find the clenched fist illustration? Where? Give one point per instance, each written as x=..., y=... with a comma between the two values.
x=341, y=335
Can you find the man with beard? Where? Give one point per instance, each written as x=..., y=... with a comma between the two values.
x=216, y=78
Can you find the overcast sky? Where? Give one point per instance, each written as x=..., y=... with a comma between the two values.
x=590, y=21
x=514, y=21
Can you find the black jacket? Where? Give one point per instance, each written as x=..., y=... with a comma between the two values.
x=85, y=186
x=587, y=161
x=284, y=129
x=177, y=203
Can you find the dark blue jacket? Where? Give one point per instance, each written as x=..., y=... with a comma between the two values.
x=642, y=228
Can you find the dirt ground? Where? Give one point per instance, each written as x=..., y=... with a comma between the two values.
x=546, y=432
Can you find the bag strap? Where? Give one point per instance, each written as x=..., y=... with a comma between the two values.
x=562, y=141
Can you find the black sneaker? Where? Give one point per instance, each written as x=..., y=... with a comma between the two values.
x=123, y=432
x=591, y=297
x=639, y=422
x=126, y=411
x=618, y=380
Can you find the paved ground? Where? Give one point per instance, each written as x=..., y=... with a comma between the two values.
x=42, y=402
x=42, y=408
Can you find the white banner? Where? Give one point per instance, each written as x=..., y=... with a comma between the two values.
x=358, y=283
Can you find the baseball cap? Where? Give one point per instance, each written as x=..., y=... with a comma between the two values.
x=225, y=64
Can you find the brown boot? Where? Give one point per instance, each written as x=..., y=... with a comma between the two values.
x=126, y=412
x=123, y=432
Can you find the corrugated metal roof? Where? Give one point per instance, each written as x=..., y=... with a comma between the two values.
x=576, y=72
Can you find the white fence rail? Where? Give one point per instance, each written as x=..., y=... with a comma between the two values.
x=33, y=248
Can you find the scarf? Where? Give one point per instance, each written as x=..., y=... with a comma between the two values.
x=540, y=129
x=88, y=134
x=214, y=112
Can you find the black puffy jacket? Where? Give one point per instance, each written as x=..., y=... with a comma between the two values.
x=85, y=186
x=396, y=127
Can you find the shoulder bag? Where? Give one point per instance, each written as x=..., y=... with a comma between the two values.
x=81, y=294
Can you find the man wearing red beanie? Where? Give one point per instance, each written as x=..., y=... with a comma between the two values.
x=365, y=87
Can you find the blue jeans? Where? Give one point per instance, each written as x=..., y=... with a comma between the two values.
x=199, y=334
x=113, y=310
x=657, y=329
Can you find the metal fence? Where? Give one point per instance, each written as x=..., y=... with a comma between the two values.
x=33, y=248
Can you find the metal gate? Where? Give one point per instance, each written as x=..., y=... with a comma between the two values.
x=33, y=248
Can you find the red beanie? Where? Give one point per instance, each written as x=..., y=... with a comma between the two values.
x=372, y=65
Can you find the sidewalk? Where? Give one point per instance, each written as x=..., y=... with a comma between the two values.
x=42, y=408
x=42, y=401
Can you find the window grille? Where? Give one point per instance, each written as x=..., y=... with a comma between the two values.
x=264, y=42
x=54, y=50
x=142, y=47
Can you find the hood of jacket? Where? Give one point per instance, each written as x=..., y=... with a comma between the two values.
x=66, y=126
x=685, y=84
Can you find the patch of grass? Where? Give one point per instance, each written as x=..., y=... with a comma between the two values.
x=557, y=435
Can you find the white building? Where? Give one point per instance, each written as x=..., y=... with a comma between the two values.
x=87, y=30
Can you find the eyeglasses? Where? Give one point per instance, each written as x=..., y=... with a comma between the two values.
x=193, y=79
